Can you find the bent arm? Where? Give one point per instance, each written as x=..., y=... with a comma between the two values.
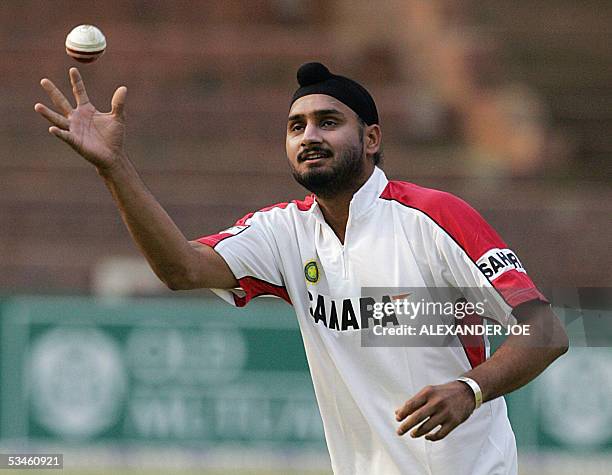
x=517, y=361
x=522, y=357
x=179, y=263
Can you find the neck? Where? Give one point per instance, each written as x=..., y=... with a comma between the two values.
x=335, y=208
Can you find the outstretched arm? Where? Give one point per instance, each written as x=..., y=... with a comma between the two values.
x=99, y=138
x=516, y=362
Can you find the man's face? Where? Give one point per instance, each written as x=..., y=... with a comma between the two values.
x=325, y=145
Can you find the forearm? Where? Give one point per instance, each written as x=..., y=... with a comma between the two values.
x=98, y=137
x=522, y=357
x=165, y=247
x=510, y=368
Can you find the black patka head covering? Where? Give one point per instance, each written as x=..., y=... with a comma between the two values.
x=315, y=78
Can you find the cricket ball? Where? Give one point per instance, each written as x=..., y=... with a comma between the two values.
x=85, y=43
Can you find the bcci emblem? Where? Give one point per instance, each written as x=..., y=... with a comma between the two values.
x=311, y=272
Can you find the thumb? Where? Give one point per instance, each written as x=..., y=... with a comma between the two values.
x=118, y=102
x=65, y=135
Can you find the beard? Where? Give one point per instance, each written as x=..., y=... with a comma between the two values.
x=328, y=182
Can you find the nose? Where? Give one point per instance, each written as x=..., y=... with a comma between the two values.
x=312, y=134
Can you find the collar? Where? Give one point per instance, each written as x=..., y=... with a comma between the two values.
x=363, y=199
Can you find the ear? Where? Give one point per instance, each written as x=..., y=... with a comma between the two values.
x=372, y=139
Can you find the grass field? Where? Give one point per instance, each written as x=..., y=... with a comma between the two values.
x=532, y=464
x=598, y=468
x=166, y=472
x=524, y=471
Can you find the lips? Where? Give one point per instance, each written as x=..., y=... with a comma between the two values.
x=313, y=154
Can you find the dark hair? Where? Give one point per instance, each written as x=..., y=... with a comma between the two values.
x=379, y=156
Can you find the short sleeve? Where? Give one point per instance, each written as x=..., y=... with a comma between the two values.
x=249, y=250
x=476, y=258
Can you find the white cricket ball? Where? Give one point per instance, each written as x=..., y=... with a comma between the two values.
x=85, y=43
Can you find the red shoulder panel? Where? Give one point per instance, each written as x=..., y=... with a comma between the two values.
x=468, y=229
x=214, y=239
x=454, y=215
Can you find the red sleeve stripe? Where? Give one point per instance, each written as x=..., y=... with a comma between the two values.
x=473, y=345
x=302, y=205
x=214, y=239
x=453, y=215
x=456, y=218
x=515, y=296
x=255, y=287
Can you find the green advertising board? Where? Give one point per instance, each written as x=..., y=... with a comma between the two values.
x=202, y=373
x=180, y=371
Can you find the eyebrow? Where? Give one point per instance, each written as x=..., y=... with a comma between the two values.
x=319, y=113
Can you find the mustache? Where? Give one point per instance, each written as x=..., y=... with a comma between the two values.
x=321, y=150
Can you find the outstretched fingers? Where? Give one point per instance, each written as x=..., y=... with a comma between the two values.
x=56, y=96
x=78, y=87
x=52, y=116
x=118, y=102
x=65, y=135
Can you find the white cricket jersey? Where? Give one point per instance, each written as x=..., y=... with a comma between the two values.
x=398, y=235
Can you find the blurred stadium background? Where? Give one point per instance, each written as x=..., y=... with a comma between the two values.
x=507, y=104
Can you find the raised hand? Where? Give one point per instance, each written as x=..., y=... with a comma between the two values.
x=97, y=136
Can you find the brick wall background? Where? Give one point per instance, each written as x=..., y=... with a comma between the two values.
x=506, y=104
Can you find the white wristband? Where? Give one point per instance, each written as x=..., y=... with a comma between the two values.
x=475, y=389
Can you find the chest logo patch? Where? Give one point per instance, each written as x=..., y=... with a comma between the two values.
x=311, y=272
